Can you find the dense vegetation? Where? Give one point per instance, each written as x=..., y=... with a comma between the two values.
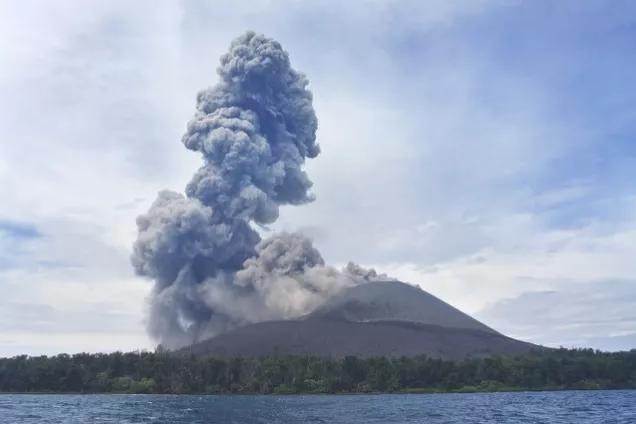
x=146, y=372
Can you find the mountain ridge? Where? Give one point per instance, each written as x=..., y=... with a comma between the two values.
x=381, y=318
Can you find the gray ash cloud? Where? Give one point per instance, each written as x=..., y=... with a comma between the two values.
x=212, y=272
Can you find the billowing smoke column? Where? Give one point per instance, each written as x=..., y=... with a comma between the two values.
x=212, y=272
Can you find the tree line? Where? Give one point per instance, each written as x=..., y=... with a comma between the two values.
x=164, y=372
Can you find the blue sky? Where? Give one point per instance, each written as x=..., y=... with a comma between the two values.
x=484, y=150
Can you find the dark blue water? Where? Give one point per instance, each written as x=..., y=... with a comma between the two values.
x=544, y=407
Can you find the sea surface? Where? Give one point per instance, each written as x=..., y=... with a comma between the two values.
x=520, y=407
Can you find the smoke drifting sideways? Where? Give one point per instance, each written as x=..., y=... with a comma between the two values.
x=211, y=270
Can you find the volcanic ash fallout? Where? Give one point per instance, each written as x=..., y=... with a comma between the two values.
x=212, y=272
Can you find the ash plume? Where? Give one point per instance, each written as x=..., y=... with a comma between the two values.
x=211, y=270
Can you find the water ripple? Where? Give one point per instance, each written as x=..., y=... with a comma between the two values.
x=553, y=407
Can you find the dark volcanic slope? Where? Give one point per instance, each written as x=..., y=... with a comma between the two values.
x=395, y=301
x=323, y=337
x=374, y=319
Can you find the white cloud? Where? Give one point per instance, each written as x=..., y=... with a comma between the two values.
x=541, y=284
x=47, y=310
x=598, y=315
x=434, y=153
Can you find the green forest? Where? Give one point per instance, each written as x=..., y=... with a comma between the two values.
x=163, y=372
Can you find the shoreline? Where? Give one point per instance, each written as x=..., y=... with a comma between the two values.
x=397, y=393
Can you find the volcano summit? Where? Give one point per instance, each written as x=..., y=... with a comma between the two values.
x=381, y=318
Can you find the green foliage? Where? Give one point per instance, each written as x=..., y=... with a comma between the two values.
x=162, y=372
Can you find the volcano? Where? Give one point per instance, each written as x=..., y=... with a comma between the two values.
x=380, y=318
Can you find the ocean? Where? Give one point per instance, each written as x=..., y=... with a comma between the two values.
x=517, y=407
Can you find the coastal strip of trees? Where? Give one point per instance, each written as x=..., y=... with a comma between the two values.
x=163, y=372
